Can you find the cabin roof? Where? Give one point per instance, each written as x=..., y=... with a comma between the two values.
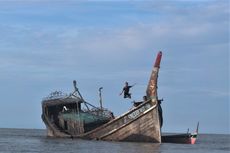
x=61, y=101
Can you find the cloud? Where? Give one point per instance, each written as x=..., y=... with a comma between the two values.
x=71, y=46
x=184, y=28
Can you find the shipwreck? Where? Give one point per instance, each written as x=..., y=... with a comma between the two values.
x=69, y=115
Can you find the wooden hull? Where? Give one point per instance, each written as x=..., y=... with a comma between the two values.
x=139, y=125
x=180, y=138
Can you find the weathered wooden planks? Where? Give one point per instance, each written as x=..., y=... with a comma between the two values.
x=139, y=124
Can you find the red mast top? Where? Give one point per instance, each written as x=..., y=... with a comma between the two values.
x=158, y=60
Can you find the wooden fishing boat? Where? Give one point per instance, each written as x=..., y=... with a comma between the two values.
x=71, y=116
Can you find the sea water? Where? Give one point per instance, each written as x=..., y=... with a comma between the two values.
x=35, y=141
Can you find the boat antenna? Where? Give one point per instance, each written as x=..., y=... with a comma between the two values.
x=197, y=127
x=100, y=96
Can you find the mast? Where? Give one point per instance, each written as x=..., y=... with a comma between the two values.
x=151, y=94
x=151, y=91
x=76, y=90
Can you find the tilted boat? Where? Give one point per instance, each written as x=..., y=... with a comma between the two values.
x=71, y=116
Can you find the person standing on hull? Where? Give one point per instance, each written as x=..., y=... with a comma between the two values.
x=126, y=90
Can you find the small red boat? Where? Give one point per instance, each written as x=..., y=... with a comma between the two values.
x=187, y=138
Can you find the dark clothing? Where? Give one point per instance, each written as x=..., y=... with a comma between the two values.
x=126, y=91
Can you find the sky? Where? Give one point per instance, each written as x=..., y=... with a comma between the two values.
x=46, y=44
